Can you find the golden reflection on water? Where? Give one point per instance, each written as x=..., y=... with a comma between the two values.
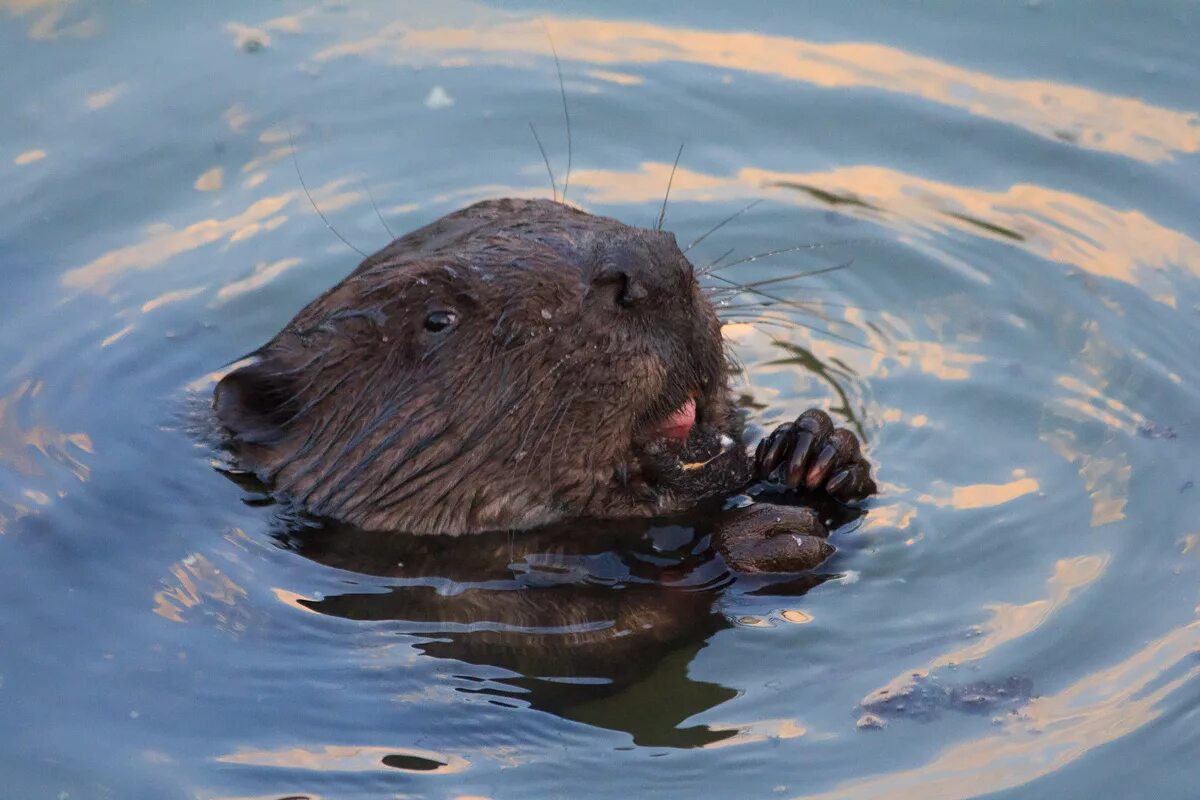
x=619, y=78
x=1105, y=474
x=113, y=338
x=1056, y=225
x=263, y=274
x=1060, y=226
x=236, y=117
x=1069, y=423
x=335, y=758
x=1049, y=732
x=755, y=732
x=161, y=245
x=979, y=495
x=195, y=581
x=211, y=180
x=106, y=97
x=1078, y=115
x=894, y=516
x=167, y=298
x=54, y=19
x=22, y=444
x=294, y=601
x=29, y=157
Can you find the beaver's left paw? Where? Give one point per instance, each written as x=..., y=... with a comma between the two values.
x=810, y=453
x=767, y=538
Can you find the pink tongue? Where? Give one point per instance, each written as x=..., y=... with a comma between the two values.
x=679, y=424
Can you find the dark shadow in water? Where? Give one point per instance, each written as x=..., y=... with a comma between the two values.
x=824, y=196
x=984, y=225
x=597, y=621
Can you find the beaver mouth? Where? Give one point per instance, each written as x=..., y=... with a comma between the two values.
x=677, y=426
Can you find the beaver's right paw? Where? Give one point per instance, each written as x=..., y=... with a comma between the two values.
x=767, y=538
x=810, y=453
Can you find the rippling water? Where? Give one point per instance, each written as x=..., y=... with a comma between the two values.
x=1018, y=188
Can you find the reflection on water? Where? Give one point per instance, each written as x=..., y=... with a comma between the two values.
x=1056, y=225
x=1050, y=732
x=592, y=621
x=1013, y=193
x=1008, y=623
x=348, y=759
x=1123, y=125
x=37, y=462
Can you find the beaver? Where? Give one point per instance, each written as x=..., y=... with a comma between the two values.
x=519, y=363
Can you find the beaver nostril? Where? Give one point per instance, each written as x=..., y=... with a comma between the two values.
x=620, y=287
x=632, y=292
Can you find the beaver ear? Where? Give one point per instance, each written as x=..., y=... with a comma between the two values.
x=254, y=403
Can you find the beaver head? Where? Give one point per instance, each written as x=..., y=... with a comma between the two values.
x=511, y=364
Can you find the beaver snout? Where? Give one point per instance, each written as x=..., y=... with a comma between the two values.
x=639, y=270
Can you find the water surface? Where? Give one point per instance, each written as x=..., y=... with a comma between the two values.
x=1017, y=188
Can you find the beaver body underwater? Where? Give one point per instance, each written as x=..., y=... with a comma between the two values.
x=515, y=364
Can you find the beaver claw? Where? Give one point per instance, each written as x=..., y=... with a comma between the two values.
x=812, y=454
x=769, y=538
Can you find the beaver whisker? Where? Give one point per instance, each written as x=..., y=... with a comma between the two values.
x=795, y=248
x=375, y=206
x=734, y=362
x=765, y=305
x=754, y=290
x=566, y=111
x=313, y=203
x=721, y=293
x=780, y=317
x=795, y=276
x=562, y=414
x=722, y=224
x=537, y=411
x=712, y=265
x=546, y=160
x=729, y=312
x=662, y=213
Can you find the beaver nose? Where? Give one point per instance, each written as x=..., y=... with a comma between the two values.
x=624, y=287
x=626, y=275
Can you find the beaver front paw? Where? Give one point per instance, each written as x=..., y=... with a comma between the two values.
x=812, y=454
x=769, y=538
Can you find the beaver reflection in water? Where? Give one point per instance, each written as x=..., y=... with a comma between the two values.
x=521, y=365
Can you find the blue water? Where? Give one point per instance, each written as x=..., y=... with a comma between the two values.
x=1018, y=189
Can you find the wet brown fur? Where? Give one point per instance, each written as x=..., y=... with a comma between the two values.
x=574, y=336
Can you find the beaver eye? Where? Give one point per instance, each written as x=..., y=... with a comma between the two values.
x=438, y=321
